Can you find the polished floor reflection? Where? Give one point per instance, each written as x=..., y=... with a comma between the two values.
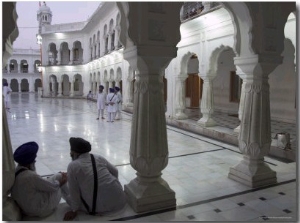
x=197, y=169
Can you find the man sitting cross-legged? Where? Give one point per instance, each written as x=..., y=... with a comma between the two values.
x=93, y=182
x=35, y=195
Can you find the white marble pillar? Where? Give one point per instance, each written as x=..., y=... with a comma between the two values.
x=255, y=131
x=94, y=88
x=110, y=84
x=207, y=102
x=129, y=91
x=71, y=56
x=109, y=43
x=20, y=90
x=60, y=88
x=117, y=83
x=72, y=89
x=180, y=96
x=150, y=53
x=58, y=57
x=241, y=104
x=117, y=37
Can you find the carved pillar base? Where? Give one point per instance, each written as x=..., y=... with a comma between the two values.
x=180, y=115
x=237, y=129
x=253, y=173
x=207, y=122
x=129, y=104
x=148, y=196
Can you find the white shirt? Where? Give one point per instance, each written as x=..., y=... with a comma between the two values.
x=111, y=97
x=110, y=195
x=6, y=92
x=35, y=195
x=101, y=98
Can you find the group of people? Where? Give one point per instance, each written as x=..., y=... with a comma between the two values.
x=113, y=102
x=90, y=184
x=6, y=93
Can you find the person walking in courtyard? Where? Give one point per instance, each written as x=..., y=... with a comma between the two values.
x=6, y=93
x=119, y=103
x=35, y=195
x=93, y=182
x=111, y=102
x=101, y=98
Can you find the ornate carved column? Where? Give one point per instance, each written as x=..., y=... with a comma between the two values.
x=241, y=104
x=207, y=102
x=180, y=96
x=129, y=91
x=150, y=53
x=255, y=131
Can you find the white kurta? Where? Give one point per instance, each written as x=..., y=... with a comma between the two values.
x=35, y=195
x=110, y=197
x=119, y=102
x=101, y=99
x=111, y=97
x=6, y=92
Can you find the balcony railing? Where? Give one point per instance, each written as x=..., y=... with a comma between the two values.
x=192, y=10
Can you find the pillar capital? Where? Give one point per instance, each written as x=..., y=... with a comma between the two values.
x=257, y=65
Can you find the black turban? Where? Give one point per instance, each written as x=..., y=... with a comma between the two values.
x=80, y=145
x=26, y=153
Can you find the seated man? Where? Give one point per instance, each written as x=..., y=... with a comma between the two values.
x=34, y=195
x=102, y=196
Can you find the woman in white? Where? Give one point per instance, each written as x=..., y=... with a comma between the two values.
x=101, y=99
x=6, y=93
x=111, y=101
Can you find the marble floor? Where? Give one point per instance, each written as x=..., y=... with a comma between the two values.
x=197, y=169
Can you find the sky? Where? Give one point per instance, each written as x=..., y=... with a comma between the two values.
x=62, y=12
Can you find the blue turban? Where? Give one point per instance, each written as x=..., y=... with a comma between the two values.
x=26, y=153
x=111, y=90
x=80, y=145
x=117, y=88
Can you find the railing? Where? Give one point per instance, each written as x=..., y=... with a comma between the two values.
x=192, y=10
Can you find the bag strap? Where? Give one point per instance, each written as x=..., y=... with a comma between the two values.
x=19, y=171
x=112, y=97
x=95, y=185
x=93, y=212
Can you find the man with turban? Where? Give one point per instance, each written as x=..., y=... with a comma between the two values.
x=35, y=195
x=111, y=101
x=6, y=93
x=119, y=103
x=101, y=98
x=93, y=182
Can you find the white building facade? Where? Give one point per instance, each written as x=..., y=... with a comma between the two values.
x=78, y=57
x=21, y=71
